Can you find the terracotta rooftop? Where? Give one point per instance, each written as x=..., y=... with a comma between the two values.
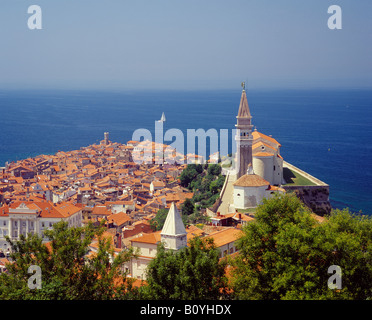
x=257, y=135
x=225, y=236
x=263, y=154
x=47, y=209
x=101, y=210
x=251, y=180
x=118, y=218
x=152, y=238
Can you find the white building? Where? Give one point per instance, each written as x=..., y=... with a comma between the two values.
x=256, y=149
x=259, y=169
x=267, y=161
x=250, y=189
x=34, y=217
x=173, y=235
x=147, y=245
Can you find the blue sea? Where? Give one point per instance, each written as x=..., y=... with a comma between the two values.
x=326, y=133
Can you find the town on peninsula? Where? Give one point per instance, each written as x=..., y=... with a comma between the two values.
x=147, y=206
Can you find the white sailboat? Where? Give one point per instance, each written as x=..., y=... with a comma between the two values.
x=162, y=119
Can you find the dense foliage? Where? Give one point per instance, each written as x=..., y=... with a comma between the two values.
x=285, y=253
x=67, y=273
x=205, y=181
x=191, y=273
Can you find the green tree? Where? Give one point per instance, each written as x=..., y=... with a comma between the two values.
x=285, y=253
x=190, y=173
x=216, y=185
x=158, y=221
x=188, y=207
x=197, y=217
x=214, y=169
x=191, y=273
x=67, y=271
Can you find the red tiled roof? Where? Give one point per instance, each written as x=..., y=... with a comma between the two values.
x=251, y=180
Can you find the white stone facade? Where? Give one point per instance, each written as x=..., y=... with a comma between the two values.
x=23, y=220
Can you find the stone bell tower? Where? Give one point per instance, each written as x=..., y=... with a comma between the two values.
x=173, y=234
x=243, y=136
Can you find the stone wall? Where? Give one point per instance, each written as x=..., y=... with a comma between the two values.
x=314, y=197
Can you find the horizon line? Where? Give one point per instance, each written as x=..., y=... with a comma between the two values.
x=185, y=89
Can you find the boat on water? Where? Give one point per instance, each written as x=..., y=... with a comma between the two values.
x=162, y=119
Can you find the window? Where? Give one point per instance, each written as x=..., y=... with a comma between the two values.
x=42, y=224
x=274, y=168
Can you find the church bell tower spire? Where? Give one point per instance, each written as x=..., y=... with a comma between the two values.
x=173, y=234
x=243, y=136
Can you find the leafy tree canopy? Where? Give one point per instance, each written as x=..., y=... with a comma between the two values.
x=66, y=271
x=191, y=273
x=286, y=253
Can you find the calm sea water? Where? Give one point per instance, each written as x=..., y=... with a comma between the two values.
x=326, y=133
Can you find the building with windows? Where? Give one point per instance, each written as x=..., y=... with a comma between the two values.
x=25, y=217
x=175, y=236
x=259, y=165
x=255, y=149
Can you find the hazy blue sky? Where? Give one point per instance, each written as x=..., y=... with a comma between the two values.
x=175, y=44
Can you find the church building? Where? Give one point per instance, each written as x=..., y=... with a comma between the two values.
x=259, y=165
x=173, y=235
